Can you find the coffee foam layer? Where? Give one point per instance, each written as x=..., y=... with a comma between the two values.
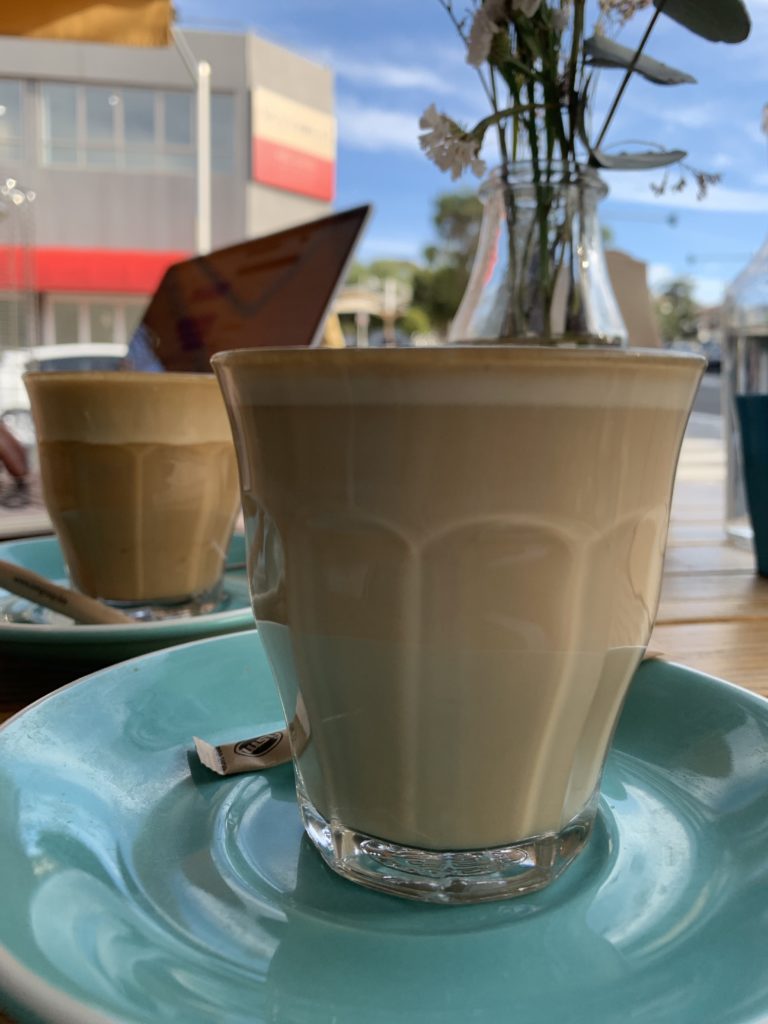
x=128, y=408
x=518, y=376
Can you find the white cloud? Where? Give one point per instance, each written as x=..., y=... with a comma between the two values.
x=693, y=115
x=634, y=187
x=720, y=161
x=659, y=275
x=754, y=132
x=387, y=74
x=377, y=129
x=391, y=75
x=708, y=291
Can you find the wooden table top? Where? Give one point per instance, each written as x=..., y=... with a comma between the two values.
x=713, y=613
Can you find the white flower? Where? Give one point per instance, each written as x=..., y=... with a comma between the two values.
x=448, y=145
x=489, y=18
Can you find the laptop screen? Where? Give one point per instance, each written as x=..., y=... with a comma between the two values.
x=273, y=291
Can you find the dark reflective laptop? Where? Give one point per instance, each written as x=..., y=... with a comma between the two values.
x=271, y=291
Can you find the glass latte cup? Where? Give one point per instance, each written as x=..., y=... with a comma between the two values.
x=455, y=559
x=140, y=480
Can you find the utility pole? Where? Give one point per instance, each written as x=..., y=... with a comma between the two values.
x=200, y=72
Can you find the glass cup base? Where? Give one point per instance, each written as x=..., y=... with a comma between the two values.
x=171, y=608
x=451, y=876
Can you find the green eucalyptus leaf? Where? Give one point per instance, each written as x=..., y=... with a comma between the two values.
x=605, y=53
x=720, y=21
x=645, y=161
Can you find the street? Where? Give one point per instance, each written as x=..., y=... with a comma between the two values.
x=706, y=421
x=708, y=398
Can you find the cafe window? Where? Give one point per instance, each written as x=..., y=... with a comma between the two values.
x=132, y=128
x=11, y=132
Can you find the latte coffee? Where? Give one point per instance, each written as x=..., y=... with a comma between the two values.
x=140, y=481
x=455, y=561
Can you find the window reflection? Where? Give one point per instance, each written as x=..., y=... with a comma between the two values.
x=13, y=322
x=178, y=119
x=130, y=128
x=223, y=133
x=10, y=120
x=139, y=117
x=65, y=322
x=102, y=317
x=59, y=121
x=100, y=106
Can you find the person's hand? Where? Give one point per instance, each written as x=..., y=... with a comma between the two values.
x=12, y=454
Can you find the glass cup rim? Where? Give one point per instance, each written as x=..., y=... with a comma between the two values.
x=126, y=377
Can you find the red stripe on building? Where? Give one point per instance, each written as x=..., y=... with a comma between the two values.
x=292, y=169
x=120, y=271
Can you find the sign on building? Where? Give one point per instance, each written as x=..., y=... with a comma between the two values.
x=293, y=145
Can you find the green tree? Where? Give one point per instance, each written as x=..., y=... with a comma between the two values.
x=676, y=310
x=361, y=273
x=438, y=287
x=456, y=218
x=414, y=321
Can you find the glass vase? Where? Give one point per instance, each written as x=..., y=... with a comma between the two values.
x=744, y=372
x=539, y=272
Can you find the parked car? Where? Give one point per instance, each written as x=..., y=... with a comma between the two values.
x=14, y=401
x=15, y=362
x=713, y=351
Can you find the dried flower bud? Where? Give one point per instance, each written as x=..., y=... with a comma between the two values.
x=622, y=10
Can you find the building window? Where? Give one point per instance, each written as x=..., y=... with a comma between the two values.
x=60, y=128
x=10, y=120
x=132, y=313
x=223, y=133
x=132, y=128
x=95, y=319
x=14, y=322
x=100, y=126
x=66, y=322
x=102, y=317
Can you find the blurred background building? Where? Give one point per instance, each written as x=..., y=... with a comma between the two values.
x=98, y=171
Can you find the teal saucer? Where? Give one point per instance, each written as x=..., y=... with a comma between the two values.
x=39, y=652
x=139, y=887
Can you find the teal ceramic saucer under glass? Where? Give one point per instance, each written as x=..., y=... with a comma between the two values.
x=139, y=887
x=36, y=658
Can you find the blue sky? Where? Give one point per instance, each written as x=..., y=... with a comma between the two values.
x=392, y=58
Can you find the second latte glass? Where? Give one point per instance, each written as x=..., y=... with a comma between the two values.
x=140, y=481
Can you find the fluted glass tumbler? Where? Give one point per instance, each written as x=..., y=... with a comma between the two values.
x=455, y=558
x=140, y=481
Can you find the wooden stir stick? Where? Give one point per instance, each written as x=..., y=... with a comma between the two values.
x=32, y=586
